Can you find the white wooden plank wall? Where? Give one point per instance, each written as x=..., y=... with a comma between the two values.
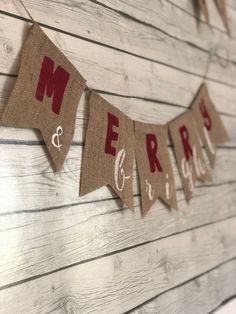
x=63, y=254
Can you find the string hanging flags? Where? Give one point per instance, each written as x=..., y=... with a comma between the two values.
x=46, y=94
x=46, y=97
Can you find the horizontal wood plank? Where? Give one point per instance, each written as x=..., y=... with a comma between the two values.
x=201, y=295
x=120, y=73
x=31, y=244
x=106, y=25
x=216, y=23
x=186, y=27
x=30, y=183
x=120, y=282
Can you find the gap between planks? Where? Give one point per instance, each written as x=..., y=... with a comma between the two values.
x=13, y=284
x=184, y=283
x=215, y=237
x=125, y=51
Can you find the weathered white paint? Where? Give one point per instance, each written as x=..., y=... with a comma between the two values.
x=200, y=295
x=120, y=281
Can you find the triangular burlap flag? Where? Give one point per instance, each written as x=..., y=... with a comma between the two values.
x=109, y=150
x=46, y=95
x=203, y=8
x=209, y=124
x=188, y=152
x=221, y=6
x=154, y=166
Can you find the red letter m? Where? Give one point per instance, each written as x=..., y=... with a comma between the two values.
x=53, y=82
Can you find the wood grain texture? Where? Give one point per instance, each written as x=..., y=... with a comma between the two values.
x=33, y=185
x=119, y=282
x=181, y=12
x=187, y=58
x=133, y=28
x=61, y=253
x=40, y=236
x=201, y=295
x=216, y=23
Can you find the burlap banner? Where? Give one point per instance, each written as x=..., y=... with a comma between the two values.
x=46, y=95
x=154, y=166
x=109, y=150
x=188, y=152
x=208, y=121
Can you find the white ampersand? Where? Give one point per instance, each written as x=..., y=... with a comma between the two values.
x=59, y=132
x=119, y=172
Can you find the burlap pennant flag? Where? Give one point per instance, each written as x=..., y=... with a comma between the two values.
x=188, y=152
x=208, y=121
x=203, y=8
x=109, y=150
x=46, y=95
x=154, y=166
x=221, y=6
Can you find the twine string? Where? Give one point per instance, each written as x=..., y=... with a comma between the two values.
x=211, y=54
x=26, y=10
x=223, y=62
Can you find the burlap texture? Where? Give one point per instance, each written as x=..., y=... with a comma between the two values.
x=155, y=173
x=24, y=110
x=99, y=167
x=208, y=121
x=191, y=166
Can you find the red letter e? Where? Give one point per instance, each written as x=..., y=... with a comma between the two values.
x=111, y=135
